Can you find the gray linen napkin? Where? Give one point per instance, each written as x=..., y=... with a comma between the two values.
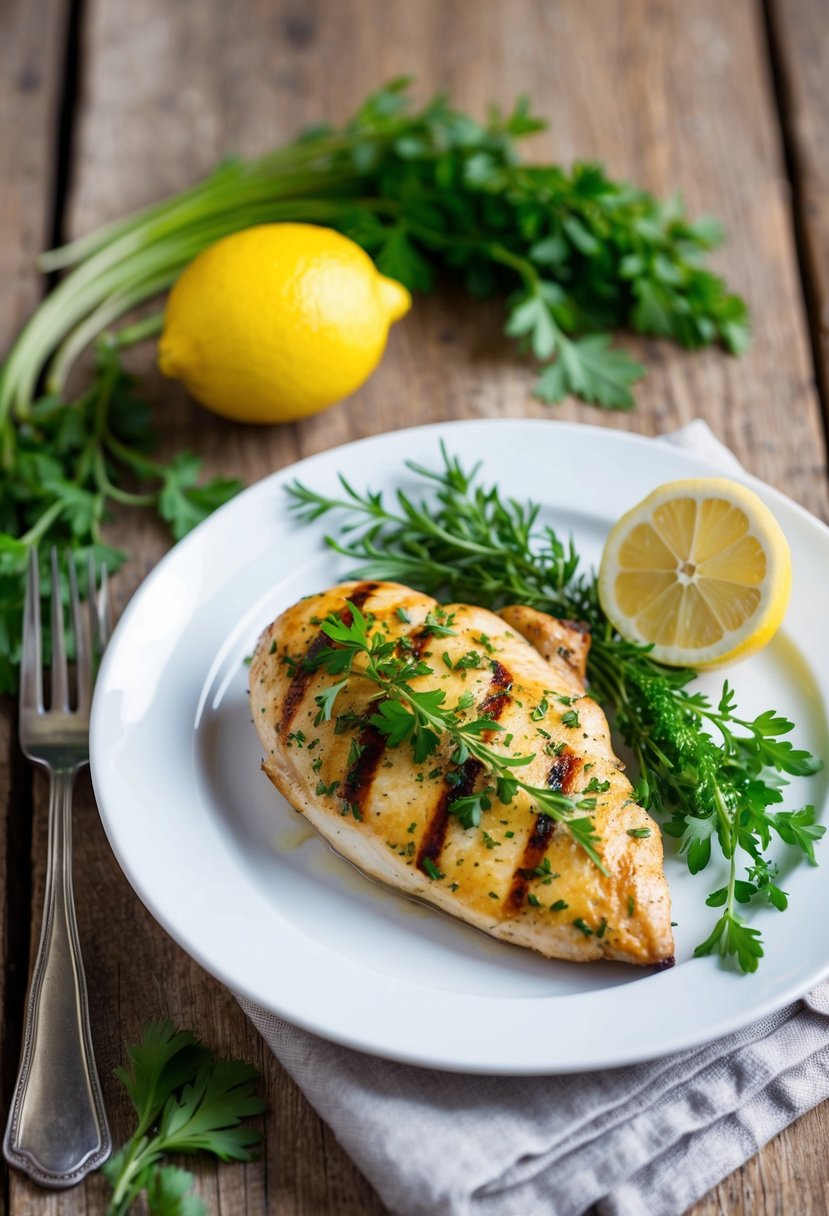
x=647, y=1140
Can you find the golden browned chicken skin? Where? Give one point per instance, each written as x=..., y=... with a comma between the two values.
x=520, y=876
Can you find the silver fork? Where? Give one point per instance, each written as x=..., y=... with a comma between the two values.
x=57, y=1130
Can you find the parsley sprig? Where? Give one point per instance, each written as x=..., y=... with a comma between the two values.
x=422, y=718
x=716, y=776
x=187, y=1101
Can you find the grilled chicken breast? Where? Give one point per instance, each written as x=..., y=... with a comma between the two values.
x=520, y=876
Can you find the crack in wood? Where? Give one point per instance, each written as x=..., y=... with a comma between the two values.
x=793, y=161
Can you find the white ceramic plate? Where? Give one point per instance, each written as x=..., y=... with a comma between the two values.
x=232, y=874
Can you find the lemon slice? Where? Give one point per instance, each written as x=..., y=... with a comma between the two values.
x=700, y=569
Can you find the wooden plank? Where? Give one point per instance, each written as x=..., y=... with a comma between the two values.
x=31, y=40
x=673, y=96
x=799, y=30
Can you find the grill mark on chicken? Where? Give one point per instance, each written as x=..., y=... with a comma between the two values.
x=498, y=697
x=373, y=744
x=417, y=642
x=302, y=676
x=560, y=777
x=434, y=837
x=492, y=706
x=563, y=771
x=361, y=775
x=534, y=851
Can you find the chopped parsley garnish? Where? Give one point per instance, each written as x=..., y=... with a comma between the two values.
x=291, y=663
x=431, y=869
x=540, y=710
x=347, y=721
x=579, y=924
x=534, y=900
x=439, y=625
x=559, y=905
x=639, y=833
x=542, y=870
x=595, y=786
x=571, y=718
x=403, y=615
x=327, y=790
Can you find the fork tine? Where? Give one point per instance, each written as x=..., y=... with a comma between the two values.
x=100, y=609
x=83, y=659
x=60, y=673
x=104, y=609
x=31, y=664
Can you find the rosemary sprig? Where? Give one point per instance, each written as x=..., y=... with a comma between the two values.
x=716, y=776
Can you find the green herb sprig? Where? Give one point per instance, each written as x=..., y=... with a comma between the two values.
x=422, y=718
x=716, y=776
x=187, y=1101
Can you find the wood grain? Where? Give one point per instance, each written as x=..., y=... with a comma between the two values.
x=671, y=95
x=800, y=29
x=31, y=41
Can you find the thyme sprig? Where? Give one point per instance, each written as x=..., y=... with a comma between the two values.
x=422, y=718
x=715, y=776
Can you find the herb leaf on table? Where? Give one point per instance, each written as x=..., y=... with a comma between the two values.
x=714, y=776
x=186, y=1101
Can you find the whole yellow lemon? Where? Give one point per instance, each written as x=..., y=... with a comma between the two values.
x=277, y=322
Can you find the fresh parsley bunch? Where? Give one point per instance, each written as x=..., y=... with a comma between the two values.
x=187, y=1101
x=427, y=192
x=717, y=777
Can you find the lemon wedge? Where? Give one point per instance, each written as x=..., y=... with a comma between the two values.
x=700, y=569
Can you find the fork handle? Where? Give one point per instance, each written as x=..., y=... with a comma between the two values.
x=57, y=1130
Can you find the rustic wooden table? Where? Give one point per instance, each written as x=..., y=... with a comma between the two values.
x=108, y=104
